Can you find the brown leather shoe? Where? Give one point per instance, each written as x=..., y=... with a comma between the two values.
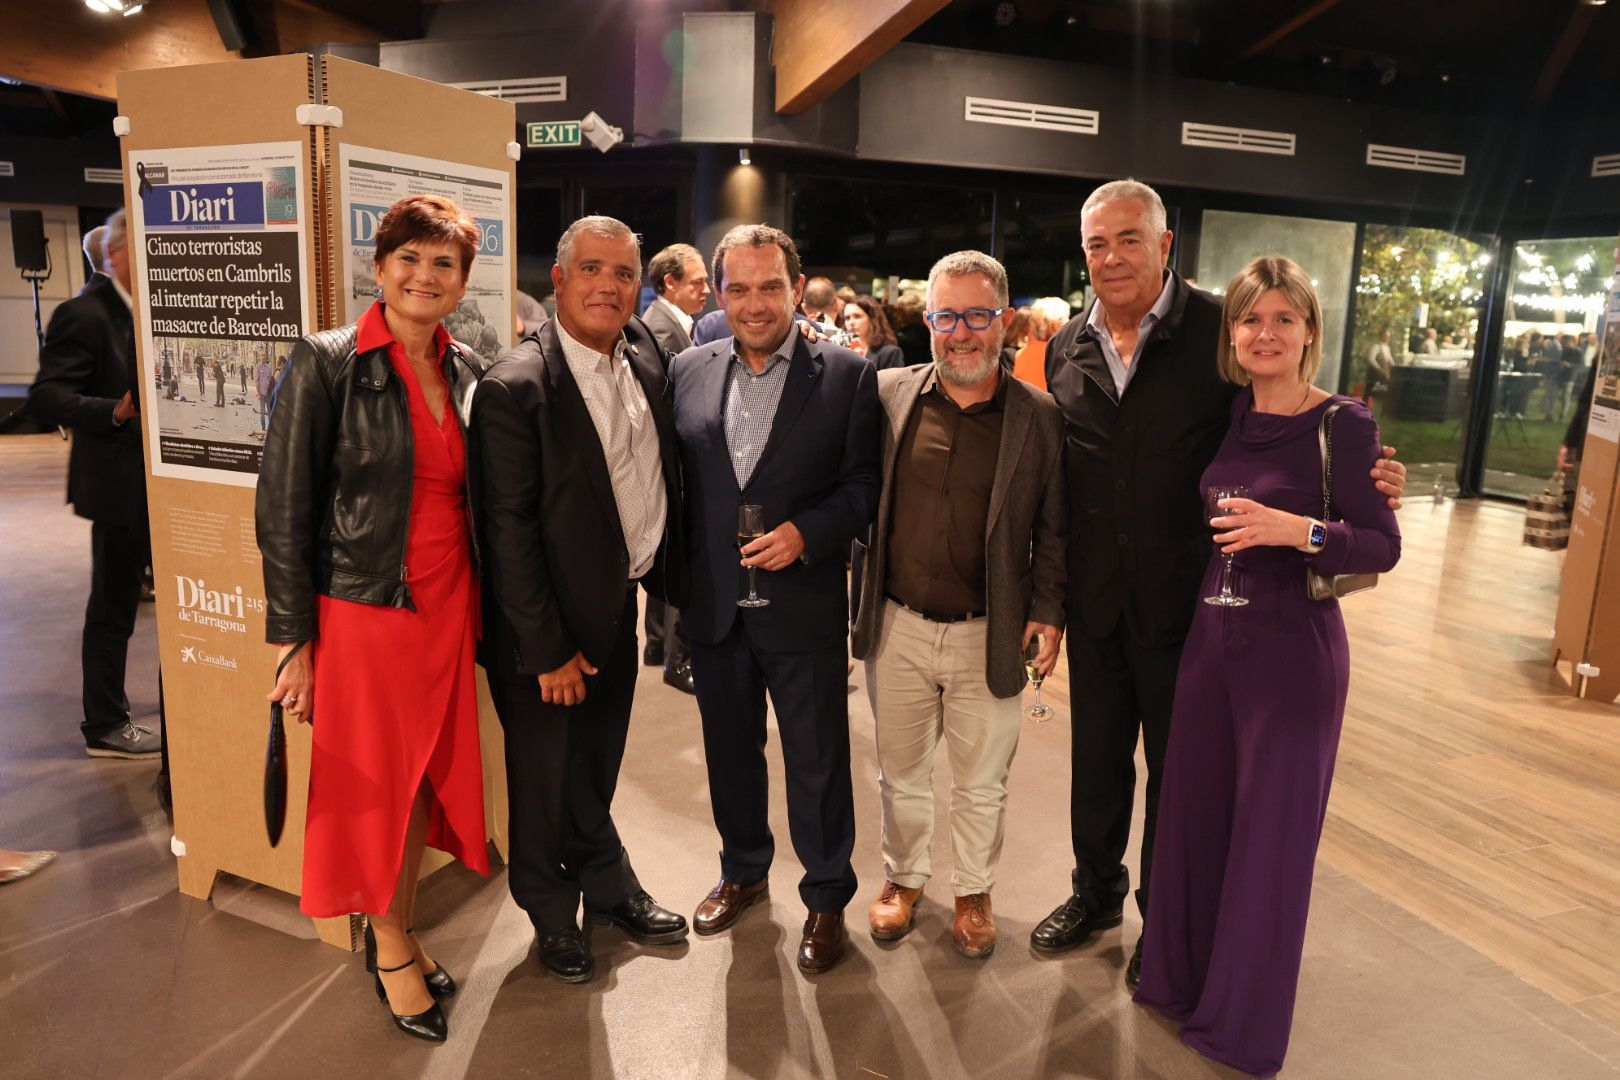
x=725, y=902
x=974, y=930
x=824, y=941
x=891, y=914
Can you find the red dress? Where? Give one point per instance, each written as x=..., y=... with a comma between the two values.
x=395, y=699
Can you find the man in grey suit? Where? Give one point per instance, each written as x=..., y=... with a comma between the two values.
x=682, y=284
x=965, y=569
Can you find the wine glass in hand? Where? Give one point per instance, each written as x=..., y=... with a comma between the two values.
x=1040, y=711
x=750, y=527
x=1212, y=510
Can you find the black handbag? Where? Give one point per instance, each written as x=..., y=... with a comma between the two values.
x=1324, y=586
x=275, y=764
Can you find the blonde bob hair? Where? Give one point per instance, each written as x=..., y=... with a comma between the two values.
x=1245, y=290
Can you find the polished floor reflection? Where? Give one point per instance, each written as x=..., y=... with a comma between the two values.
x=1463, y=923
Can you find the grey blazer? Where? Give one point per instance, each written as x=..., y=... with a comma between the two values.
x=1024, y=567
x=666, y=329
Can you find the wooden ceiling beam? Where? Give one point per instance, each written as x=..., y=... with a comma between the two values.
x=1562, y=52
x=1285, y=28
x=82, y=52
x=822, y=44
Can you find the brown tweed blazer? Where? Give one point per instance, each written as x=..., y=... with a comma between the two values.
x=1024, y=567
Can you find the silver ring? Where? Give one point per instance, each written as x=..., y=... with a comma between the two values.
x=291, y=700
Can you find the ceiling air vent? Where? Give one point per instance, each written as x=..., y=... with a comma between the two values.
x=1216, y=137
x=534, y=91
x=1404, y=157
x=103, y=176
x=1028, y=114
x=1605, y=165
x=8, y=168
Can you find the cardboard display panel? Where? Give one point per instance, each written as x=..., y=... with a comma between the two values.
x=233, y=233
x=1587, y=630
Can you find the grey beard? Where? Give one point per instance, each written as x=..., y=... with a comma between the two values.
x=956, y=376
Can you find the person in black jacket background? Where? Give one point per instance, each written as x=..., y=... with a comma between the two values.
x=86, y=384
x=1144, y=411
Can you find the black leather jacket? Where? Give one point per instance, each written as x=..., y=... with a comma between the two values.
x=334, y=497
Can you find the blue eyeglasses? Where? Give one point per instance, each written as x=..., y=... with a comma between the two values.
x=977, y=318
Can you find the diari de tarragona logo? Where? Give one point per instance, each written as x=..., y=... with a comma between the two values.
x=219, y=608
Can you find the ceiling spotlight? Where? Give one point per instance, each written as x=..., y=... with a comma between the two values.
x=1006, y=13
x=1594, y=3
x=134, y=9
x=743, y=158
x=98, y=6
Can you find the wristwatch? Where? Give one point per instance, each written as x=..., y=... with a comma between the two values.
x=1318, y=537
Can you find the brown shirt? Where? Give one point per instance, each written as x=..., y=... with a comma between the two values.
x=944, y=469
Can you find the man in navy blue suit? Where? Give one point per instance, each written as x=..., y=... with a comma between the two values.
x=766, y=417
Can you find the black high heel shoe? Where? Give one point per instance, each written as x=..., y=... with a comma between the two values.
x=429, y=1025
x=439, y=984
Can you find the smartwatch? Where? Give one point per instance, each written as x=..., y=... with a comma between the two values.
x=1318, y=537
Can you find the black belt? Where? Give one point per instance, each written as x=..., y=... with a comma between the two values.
x=936, y=616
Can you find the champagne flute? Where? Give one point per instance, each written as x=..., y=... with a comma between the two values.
x=1213, y=509
x=1040, y=711
x=750, y=527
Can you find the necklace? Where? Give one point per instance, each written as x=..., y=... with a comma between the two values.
x=1302, y=400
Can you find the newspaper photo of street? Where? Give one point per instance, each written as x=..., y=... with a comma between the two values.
x=217, y=391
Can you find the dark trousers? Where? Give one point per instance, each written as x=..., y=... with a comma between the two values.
x=1120, y=686
x=662, y=625
x=118, y=558
x=562, y=767
x=810, y=693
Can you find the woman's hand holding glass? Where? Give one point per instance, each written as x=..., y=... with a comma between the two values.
x=1250, y=524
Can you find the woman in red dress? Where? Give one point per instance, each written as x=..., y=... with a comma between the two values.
x=369, y=567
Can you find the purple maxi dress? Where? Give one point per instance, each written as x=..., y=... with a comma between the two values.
x=1259, y=702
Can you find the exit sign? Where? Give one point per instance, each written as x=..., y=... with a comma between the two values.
x=554, y=133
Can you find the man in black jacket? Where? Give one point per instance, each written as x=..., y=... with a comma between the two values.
x=86, y=384
x=681, y=283
x=580, y=503
x=1144, y=412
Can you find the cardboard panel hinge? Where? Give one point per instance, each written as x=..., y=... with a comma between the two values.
x=320, y=116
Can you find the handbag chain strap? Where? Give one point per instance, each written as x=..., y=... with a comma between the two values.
x=1324, y=438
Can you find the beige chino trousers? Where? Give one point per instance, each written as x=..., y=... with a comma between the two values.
x=926, y=679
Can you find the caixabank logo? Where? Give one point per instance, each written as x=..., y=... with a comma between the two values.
x=196, y=654
x=216, y=608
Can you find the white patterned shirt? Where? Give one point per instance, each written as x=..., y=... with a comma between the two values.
x=750, y=409
x=629, y=437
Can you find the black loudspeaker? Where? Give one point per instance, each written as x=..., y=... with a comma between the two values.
x=234, y=22
x=28, y=240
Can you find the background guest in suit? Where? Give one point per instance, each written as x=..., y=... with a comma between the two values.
x=682, y=284
x=872, y=335
x=86, y=384
x=965, y=568
x=95, y=253
x=768, y=418
x=581, y=499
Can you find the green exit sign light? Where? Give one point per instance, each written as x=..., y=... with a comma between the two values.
x=554, y=133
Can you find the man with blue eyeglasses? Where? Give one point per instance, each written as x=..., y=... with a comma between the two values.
x=964, y=571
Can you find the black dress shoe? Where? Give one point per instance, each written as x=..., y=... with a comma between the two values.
x=680, y=677
x=1071, y=923
x=564, y=955
x=429, y=1025
x=642, y=918
x=652, y=654
x=1133, y=970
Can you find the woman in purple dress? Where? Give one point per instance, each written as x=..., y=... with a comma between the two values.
x=1261, y=689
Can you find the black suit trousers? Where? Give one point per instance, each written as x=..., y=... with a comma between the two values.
x=1121, y=686
x=662, y=624
x=562, y=768
x=118, y=558
x=810, y=693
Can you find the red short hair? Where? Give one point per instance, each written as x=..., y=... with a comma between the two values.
x=430, y=218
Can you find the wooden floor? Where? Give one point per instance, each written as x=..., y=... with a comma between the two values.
x=1472, y=789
